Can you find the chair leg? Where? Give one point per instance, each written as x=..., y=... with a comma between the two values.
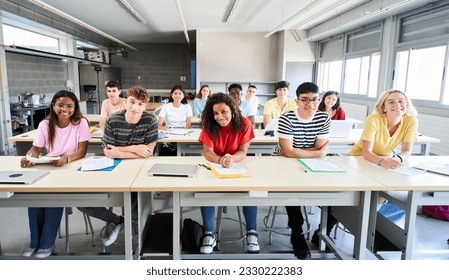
x=88, y=224
x=221, y=210
x=241, y=228
x=306, y=219
x=67, y=241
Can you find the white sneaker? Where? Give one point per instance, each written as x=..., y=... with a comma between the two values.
x=112, y=235
x=29, y=252
x=209, y=243
x=44, y=253
x=252, y=246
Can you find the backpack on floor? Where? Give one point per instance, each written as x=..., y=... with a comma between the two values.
x=191, y=235
x=439, y=212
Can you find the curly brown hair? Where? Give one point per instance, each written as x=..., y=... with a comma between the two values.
x=208, y=121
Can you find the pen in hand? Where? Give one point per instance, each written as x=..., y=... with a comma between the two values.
x=396, y=155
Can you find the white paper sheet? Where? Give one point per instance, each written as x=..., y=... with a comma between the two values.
x=97, y=163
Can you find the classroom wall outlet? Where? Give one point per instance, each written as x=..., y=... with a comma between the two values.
x=182, y=78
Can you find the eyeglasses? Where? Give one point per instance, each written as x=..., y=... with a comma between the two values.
x=306, y=101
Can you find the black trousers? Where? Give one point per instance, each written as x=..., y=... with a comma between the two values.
x=296, y=219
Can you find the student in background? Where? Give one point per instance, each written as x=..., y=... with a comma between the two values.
x=226, y=137
x=235, y=92
x=252, y=99
x=177, y=113
x=200, y=100
x=113, y=104
x=392, y=123
x=64, y=133
x=303, y=133
x=131, y=133
x=275, y=107
x=330, y=103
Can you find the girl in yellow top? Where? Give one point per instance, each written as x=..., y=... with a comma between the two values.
x=393, y=122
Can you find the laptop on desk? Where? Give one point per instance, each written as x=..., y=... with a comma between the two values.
x=340, y=128
x=173, y=170
x=21, y=177
x=434, y=167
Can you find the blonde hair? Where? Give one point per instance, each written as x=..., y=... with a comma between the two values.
x=379, y=108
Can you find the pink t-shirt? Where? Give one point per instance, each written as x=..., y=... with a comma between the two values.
x=66, y=139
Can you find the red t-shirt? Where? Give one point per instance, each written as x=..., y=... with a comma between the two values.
x=339, y=115
x=227, y=141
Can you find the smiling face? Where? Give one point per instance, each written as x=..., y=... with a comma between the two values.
x=177, y=96
x=205, y=92
x=134, y=109
x=307, y=104
x=64, y=108
x=395, y=105
x=235, y=94
x=330, y=101
x=282, y=92
x=222, y=114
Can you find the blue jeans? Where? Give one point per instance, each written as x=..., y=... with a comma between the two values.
x=44, y=225
x=208, y=214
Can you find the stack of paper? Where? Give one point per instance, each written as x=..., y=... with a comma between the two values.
x=319, y=165
x=235, y=171
x=97, y=163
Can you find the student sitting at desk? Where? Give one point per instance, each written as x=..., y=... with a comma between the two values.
x=177, y=113
x=200, y=100
x=64, y=133
x=235, y=92
x=131, y=133
x=330, y=103
x=392, y=123
x=275, y=107
x=113, y=104
x=303, y=133
x=226, y=136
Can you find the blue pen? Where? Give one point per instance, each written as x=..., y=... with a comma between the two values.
x=396, y=155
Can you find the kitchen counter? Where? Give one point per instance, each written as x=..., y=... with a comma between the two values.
x=35, y=115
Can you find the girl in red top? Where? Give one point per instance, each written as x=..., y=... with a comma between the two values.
x=226, y=137
x=330, y=103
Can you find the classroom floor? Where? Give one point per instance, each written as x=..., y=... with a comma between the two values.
x=431, y=235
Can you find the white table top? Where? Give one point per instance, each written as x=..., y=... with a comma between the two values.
x=268, y=173
x=398, y=182
x=67, y=179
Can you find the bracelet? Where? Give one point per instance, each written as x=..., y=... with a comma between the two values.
x=218, y=161
x=382, y=159
x=68, y=159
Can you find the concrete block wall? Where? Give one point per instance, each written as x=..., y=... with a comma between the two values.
x=156, y=66
x=38, y=75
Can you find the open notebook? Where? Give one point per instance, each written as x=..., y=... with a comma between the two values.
x=434, y=167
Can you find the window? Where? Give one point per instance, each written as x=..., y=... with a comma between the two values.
x=23, y=38
x=329, y=75
x=361, y=75
x=420, y=72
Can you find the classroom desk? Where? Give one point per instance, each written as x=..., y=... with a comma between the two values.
x=262, y=144
x=258, y=122
x=67, y=187
x=154, y=106
x=266, y=187
x=92, y=118
x=408, y=192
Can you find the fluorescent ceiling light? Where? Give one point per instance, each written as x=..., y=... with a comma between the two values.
x=292, y=19
x=79, y=22
x=232, y=11
x=183, y=22
x=133, y=11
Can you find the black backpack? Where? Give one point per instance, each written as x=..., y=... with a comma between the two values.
x=191, y=235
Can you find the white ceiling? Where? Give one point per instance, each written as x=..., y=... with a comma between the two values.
x=164, y=24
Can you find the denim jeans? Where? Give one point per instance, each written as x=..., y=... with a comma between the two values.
x=44, y=225
x=208, y=214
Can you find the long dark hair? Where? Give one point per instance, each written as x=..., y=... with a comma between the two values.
x=208, y=121
x=184, y=100
x=322, y=106
x=53, y=118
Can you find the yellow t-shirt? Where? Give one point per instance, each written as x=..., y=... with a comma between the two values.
x=272, y=108
x=376, y=131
